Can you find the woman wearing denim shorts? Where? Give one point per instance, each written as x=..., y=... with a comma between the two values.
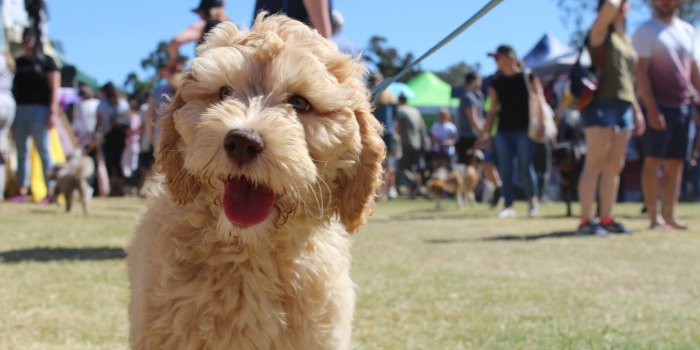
x=609, y=119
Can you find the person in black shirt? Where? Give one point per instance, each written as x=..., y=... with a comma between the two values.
x=315, y=13
x=510, y=100
x=35, y=88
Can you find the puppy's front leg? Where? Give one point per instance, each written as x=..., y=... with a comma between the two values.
x=85, y=193
x=69, y=199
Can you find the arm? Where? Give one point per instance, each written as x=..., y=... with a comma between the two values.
x=639, y=123
x=54, y=78
x=451, y=140
x=473, y=119
x=148, y=123
x=695, y=76
x=433, y=139
x=537, y=85
x=190, y=34
x=319, y=13
x=495, y=105
x=656, y=120
x=606, y=16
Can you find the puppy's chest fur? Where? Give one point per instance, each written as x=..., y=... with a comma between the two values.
x=290, y=295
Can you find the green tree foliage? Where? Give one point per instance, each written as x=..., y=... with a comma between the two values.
x=578, y=13
x=387, y=60
x=454, y=74
x=158, y=58
x=136, y=88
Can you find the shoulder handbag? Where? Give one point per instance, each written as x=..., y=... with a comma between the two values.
x=540, y=112
x=584, y=82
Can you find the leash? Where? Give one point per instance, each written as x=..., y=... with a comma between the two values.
x=484, y=10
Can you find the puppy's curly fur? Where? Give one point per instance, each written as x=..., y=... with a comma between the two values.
x=199, y=281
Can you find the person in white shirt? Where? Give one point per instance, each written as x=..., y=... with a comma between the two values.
x=666, y=76
x=443, y=137
x=85, y=116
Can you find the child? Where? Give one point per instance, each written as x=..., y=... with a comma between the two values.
x=132, y=148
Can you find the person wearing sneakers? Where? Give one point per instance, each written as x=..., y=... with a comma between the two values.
x=609, y=120
x=666, y=73
x=509, y=99
x=35, y=87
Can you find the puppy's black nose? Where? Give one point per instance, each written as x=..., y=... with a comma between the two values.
x=243, y=145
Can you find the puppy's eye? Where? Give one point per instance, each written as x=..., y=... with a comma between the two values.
x=299, y=103
x=225, y=93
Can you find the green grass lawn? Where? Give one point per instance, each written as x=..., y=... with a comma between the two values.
x=425, y=280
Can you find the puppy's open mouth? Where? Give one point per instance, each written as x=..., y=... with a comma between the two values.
x=246, y=204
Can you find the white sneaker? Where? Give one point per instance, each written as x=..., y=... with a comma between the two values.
x=533, y=210
x=507, y=213
x=392, y=192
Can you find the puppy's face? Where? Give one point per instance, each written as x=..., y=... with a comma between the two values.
x=56, y=171
x=474, y=156
x=271, y=125
x=563, y=157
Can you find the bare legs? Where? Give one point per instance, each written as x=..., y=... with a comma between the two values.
x=672, y=170
x=605, y=158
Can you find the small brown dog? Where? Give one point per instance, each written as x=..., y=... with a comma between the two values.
x=269, y=157
x=461, y=181
x=72, y=176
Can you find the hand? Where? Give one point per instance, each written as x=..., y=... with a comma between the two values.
x=485, y=141
x=657, y=121
x=50, y=119
x=540, y=132
x=694, y=157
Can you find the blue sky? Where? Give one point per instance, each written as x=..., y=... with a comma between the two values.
x=108, y=38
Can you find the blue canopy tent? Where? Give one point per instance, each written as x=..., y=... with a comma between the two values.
x=550, y=57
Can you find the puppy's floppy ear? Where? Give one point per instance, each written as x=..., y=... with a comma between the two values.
x=183, y=186
x=357, y=192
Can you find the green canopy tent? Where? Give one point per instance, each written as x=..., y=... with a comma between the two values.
x=70, y=74
x=432, y=93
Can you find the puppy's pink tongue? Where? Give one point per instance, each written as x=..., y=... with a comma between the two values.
x=245, y=204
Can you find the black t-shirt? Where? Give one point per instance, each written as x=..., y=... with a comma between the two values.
x=292, y=8
x=514, y=98
x=31, y=84
x=209, y=24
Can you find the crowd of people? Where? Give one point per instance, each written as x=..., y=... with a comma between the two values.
x=117, y=132
x=646, y=86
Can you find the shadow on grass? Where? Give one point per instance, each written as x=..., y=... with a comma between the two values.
x=59, y=254
x=558, y=234
x=420, y=215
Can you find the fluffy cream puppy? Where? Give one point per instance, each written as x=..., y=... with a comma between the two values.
x=269, y=156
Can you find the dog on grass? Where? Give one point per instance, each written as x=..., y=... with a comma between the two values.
x=568, y=161
x=72, y=177
x=269, y=156
x=461, y=181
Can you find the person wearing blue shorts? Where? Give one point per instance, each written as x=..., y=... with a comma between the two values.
x=609, y=120
x=666, y=74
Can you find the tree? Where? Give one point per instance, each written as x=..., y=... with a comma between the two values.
x=454, y=74
x=575, y=12
x=387, y=60
x=136, y=88
x=158, y=58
